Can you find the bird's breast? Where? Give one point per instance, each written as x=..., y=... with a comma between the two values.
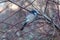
x=30, y=18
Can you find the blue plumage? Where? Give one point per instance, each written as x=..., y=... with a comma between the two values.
x=34, y=12
x=29, y=18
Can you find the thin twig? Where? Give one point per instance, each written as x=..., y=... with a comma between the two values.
x=55, y=2
x=49, y=19
x=11, y=15
x=25, y=7
x=16, y=11
x=30, y=3
x=44, y=15
x=3, y=1
x=19, y=6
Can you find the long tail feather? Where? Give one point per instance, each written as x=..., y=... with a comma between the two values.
x=24, y=24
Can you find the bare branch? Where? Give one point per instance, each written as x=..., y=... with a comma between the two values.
x=19, y=6
x=3, y=1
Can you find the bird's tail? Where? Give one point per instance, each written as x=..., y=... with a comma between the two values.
x=23, y=25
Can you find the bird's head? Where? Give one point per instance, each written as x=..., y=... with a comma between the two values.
x=34, y=12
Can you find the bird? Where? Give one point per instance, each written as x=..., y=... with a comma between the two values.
x=29, y=18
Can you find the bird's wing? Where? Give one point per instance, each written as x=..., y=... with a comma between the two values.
x=30, y=18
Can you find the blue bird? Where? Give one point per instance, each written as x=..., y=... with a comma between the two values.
x=29, y=18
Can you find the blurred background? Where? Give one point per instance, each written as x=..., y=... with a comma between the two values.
x=13, y=12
